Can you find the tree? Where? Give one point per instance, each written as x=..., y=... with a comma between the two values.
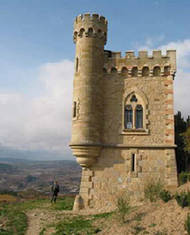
x=181, y=156
x=186, y=136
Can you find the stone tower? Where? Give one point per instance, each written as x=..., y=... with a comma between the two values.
x=123, y=122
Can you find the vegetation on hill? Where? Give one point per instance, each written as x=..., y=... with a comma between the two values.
x=182, y=140
x=13, y=215
x=39, y=216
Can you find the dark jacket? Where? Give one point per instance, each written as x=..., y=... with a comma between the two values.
x=55, y=189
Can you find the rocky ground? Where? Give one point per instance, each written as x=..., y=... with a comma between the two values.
x=157, y=218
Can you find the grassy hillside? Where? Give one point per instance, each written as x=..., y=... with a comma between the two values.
x=161, y=213
x=13, y=212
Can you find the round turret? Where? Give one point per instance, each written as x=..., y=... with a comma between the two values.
x=90, y=33
x=90, y=26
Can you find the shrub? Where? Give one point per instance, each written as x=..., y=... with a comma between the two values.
x=187, y=224
x=184, y=177
x=165, y=195
x=123, y=206
x=183, y=199
x=152, y=190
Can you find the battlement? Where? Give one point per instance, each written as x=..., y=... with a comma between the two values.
x=90, y=26
x=87, y=17
x=142, y=54
x=166, y=63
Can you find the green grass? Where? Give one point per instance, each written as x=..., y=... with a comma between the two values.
x=42, y=231
x=103, y=215
x=152, y=225
x=76, y=225
x=16, y=221
x=187, y=224
x=80, y=225
x=65, y=203
x=13, y=215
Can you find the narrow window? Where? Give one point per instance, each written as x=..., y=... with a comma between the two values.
x=145, y=71
x=124, y=71
x=139, y=116
x=113, y=70
x=74, y=109
x=133, y=162
x=90, y=31
x=75, y=36
x=128, y=117
x=81, y=32
x=167, y=70
x=77, y=64
x=156, y=71
x=99, y=32
x=134, y=72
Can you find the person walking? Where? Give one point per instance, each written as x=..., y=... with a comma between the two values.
x=55, y=191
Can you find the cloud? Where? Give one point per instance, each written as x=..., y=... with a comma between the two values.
x=182, y=79
x=43, y=122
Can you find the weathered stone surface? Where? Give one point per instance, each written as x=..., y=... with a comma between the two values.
x=104, y=84
x=78, y=204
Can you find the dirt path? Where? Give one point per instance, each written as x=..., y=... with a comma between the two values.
x=39, y=219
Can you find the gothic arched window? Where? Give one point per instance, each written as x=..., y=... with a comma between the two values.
x=128, y=117
x=139, y=116
x=134, y=118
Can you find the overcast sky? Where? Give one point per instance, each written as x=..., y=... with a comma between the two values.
x=37, y=53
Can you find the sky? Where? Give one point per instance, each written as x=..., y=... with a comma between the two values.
x=37, y=54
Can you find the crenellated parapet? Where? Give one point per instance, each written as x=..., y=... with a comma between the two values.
x=88, y=25
x=142, y=65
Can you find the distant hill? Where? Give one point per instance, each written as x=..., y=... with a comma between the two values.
x=21, y=174
x=7, y=168
x=11, y=153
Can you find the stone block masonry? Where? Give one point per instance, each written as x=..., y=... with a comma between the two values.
x=123, y=118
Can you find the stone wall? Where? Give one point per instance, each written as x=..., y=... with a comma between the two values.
x=102, y=184
x=156, y=92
